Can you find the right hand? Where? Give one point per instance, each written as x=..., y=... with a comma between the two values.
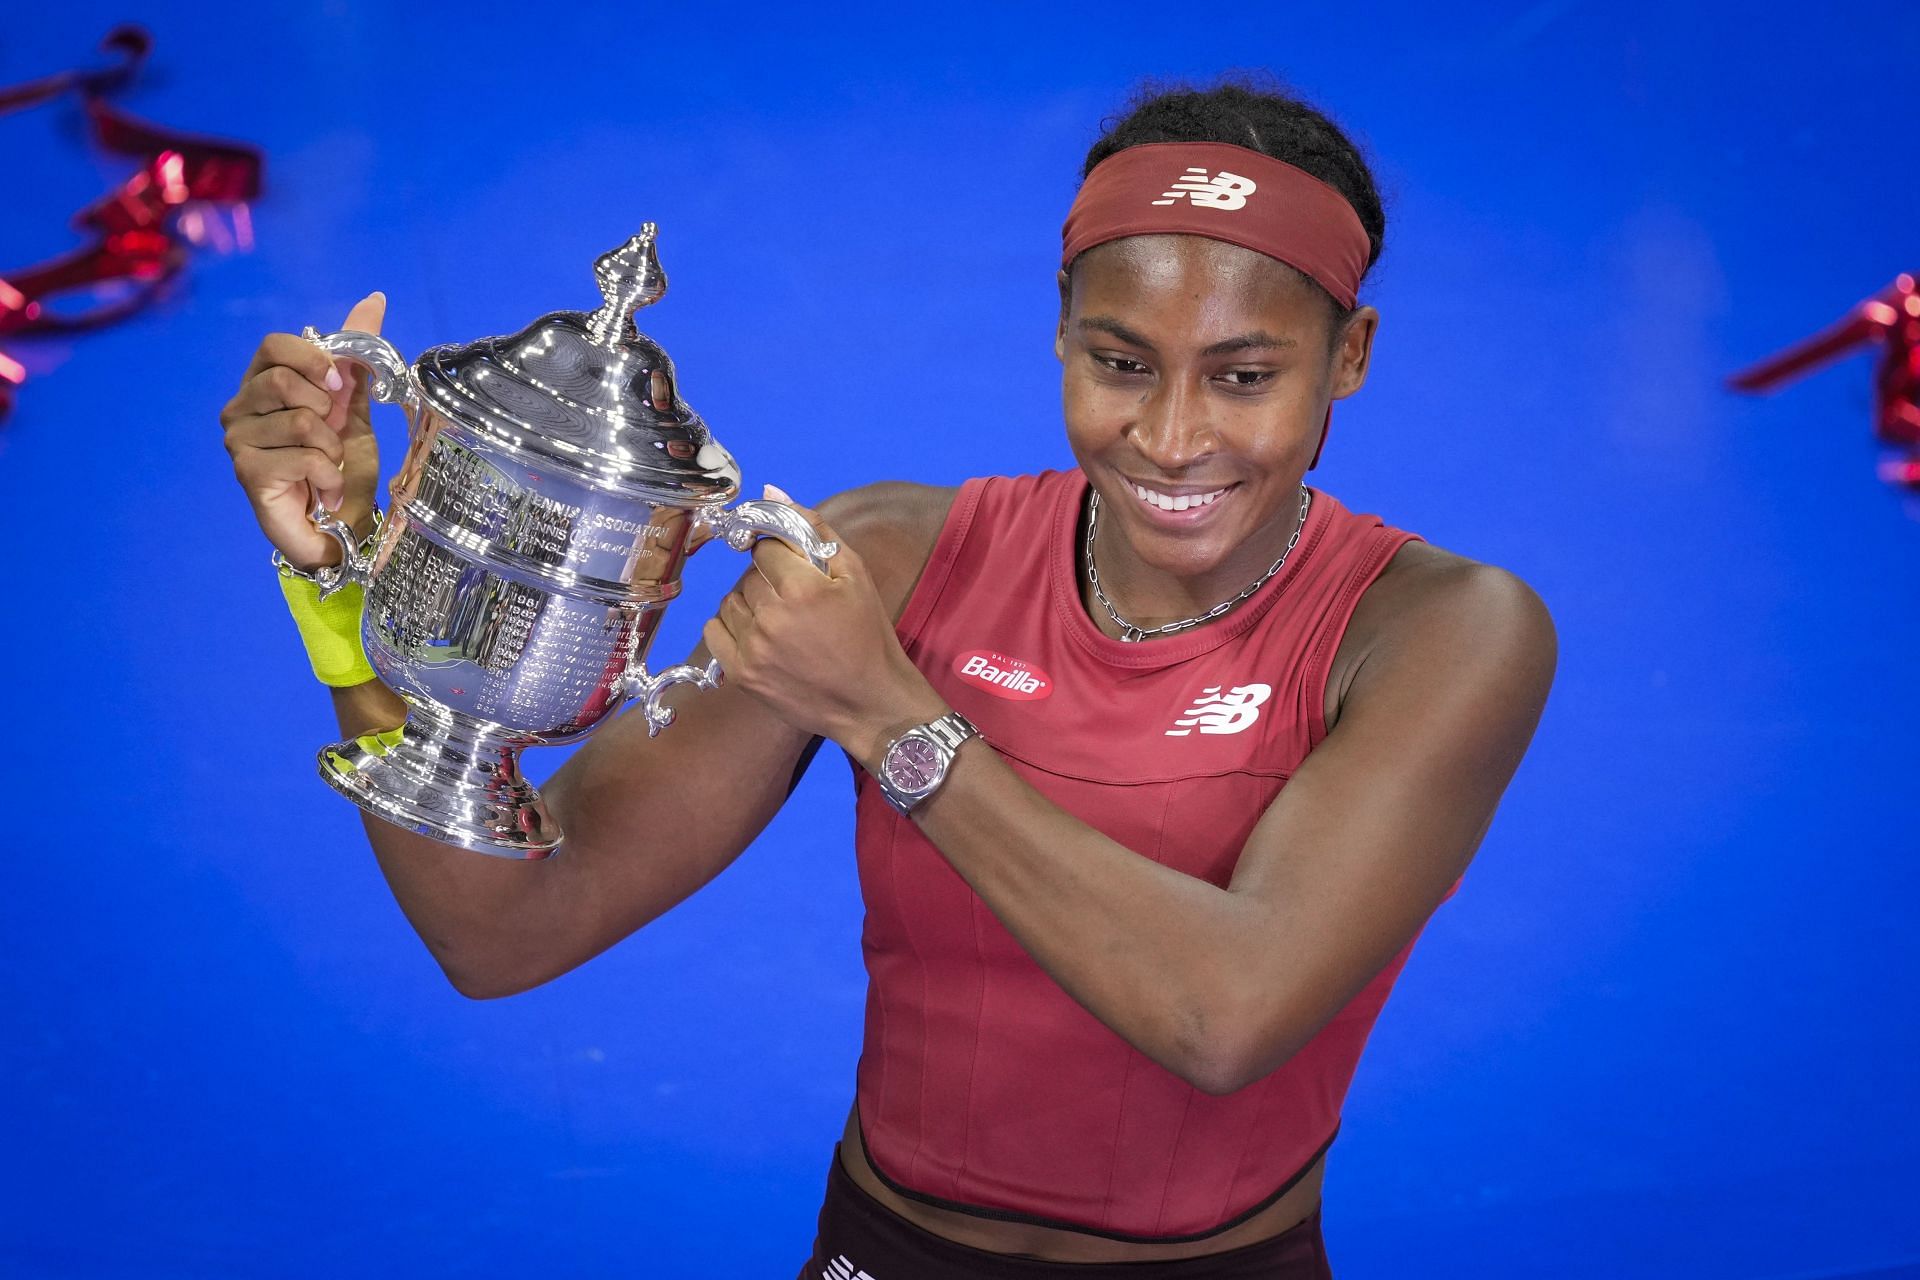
x=296, y=442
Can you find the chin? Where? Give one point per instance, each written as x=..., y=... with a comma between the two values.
x=1186, y=556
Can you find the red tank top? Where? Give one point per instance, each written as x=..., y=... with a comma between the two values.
x=983, y=1086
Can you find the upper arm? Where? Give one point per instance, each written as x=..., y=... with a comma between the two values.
x=648, y=820
x=1383, y=816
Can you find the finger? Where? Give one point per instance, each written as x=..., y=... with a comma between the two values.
x=281, y=387
x=777, y=494
x=720, y=644
x=295, y=353
x=786, y=570
x=735, y=615
x=298, y=428
x=327, y=486
x=822, y=529
x=368, y=314
x=843, y=563
x=269, y=473
x=773, y=557
x=756, y=588
x=791, y=573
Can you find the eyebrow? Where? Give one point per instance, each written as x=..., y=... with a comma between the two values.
x=1256, y=341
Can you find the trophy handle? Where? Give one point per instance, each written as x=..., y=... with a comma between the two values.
x=390, y=382
x=739, y=528
x=650, y=688
x=765, y=518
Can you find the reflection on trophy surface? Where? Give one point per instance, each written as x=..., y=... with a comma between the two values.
x=553, y=487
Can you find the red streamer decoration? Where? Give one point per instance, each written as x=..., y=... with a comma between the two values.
x=138, y=234
x=1892, y=319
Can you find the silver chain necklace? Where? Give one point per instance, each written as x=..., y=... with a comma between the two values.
x=1131, y=633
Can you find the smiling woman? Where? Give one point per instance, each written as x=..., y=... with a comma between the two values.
x=1126, y=947
x=1161, y=762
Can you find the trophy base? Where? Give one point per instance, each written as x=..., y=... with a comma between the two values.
x=449, y=776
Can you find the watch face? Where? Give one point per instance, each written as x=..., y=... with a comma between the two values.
x=912, y=764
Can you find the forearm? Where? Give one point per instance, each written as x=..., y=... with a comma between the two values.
x=488, y=921
x=367, y=708
x=1155, y=954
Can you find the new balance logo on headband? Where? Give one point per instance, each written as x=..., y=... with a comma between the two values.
x=1221, y=191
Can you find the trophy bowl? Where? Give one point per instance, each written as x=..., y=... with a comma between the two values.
x=553, y=487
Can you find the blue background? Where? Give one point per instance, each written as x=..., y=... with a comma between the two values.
x=1667, y=1027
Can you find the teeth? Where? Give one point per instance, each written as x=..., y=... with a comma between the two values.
x=1167, y=502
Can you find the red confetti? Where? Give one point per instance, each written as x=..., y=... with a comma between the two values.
x=1891, y=319
x=139, y=232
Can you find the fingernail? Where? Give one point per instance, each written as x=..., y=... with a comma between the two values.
x=775, y=492
x=334, y=380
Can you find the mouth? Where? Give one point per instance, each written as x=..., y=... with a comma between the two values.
x=1180, y=508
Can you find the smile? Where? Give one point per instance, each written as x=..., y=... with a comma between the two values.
x=1176, y=502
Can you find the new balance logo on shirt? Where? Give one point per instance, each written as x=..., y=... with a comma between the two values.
x=1222, y=190
x=1217, y=712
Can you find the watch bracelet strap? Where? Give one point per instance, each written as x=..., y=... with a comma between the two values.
x=952, y=729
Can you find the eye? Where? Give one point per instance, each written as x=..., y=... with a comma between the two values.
x=1248, y=379
x=1119, y=364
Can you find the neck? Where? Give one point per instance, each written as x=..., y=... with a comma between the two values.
x=1147, y=597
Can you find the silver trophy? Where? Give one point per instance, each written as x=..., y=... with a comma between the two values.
x=553, y=486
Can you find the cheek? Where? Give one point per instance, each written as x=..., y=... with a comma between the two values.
x=1278, y=441
x=1087, y=396
x=1084, y=405
x=1076, y=398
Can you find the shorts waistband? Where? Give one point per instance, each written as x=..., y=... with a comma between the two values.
x=862, y=1239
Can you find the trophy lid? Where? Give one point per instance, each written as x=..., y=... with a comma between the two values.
x=588, y=394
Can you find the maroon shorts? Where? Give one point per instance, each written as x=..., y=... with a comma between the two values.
x=862, y=1239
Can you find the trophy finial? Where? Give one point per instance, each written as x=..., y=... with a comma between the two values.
x=630, y=277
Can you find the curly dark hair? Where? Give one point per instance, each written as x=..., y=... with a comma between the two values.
x=1256, y=112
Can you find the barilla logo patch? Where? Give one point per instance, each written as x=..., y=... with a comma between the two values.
x=1221, y=190
x=1003, y=676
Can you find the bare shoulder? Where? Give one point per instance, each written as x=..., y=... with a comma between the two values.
x=892, y=525
x=1440, y=602
x=1434, y=602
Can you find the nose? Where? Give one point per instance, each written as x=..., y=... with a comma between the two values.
x=1173, y=430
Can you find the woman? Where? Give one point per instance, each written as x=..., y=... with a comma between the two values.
x=1163, y=762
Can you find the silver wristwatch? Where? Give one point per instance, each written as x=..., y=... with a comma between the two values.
x=915, y=764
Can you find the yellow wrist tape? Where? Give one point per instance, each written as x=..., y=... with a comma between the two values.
x=330, y=629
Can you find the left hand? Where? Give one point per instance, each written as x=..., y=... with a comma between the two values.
x=818, y=649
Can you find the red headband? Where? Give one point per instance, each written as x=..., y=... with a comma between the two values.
x=1223, y=192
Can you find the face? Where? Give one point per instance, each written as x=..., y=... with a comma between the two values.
x=1202, y=370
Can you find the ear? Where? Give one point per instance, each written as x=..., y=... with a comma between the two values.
x=1066, y=304
x=1353, y=351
